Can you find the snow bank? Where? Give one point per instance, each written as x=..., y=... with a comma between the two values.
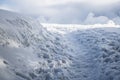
x=30, y=52
x=99, y=42
x=103, y=45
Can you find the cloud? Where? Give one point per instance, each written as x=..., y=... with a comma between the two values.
x=78, y=13
x=66, y=11
x=57, y=2
x=91, y=19
x=6, y=7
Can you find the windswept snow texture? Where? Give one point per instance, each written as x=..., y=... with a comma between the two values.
x=30, y=52
x=96, y=50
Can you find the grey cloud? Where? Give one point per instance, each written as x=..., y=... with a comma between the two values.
x=75, y=12
x=78, y=12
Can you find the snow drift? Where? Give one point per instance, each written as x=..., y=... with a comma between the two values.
x=97, y=50
x=30, y=52
x=103, y=46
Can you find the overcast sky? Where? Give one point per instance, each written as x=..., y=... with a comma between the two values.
x=65, y=11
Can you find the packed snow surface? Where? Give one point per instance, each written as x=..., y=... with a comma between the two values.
x=33, y=51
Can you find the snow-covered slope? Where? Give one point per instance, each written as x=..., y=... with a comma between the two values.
x=30, y=52
x=66, y=28
x=97, y=50
x=102, y=52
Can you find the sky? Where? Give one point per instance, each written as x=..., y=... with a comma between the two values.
x=66, y=11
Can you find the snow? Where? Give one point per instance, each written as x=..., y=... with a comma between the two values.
x=30, y=52
x=33, y=51
x=96, y=50
x=65, y=28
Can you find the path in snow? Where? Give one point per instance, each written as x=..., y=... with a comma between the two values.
x=84, y=66
x=94, y=51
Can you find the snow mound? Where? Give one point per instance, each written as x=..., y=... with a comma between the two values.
x=103, y=45
x=96, y=50
x=30, y=52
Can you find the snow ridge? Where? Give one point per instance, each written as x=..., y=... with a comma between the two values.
x=30, y=52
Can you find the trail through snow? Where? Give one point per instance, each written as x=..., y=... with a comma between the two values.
x=84, y=66
x=28, y=51
x=87, y=46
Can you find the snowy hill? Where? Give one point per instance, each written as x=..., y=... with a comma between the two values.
x=97, y=50
x=102, y=54
x=30, y=52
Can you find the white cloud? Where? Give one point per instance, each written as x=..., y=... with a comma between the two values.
x=101, y=2
x=56, y=2
x=66, y=11
x=6, y=7
x=43, y=2
x=91, y=19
